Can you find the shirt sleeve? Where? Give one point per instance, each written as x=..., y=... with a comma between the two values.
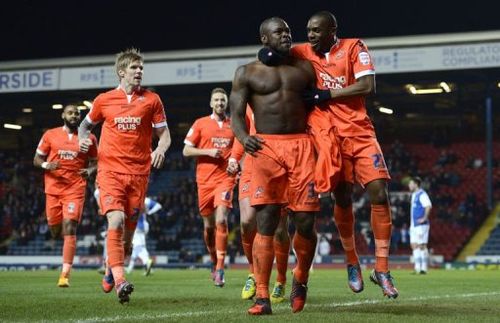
x=95, y=114
x=93, y=148
x=193, y=136
x=237, y=150
x=43, y=148
x=425, y=200
x=361, y=60
x=159, y=117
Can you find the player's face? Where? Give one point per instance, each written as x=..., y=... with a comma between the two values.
x=279, y=37
x=71, y=117
x=218, y=103
x=412, y=186
x=320, y=35
x=133, y=73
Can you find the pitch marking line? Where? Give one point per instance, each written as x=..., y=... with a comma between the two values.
x=331, y=305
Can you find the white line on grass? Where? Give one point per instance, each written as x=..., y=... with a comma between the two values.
x=149, y=316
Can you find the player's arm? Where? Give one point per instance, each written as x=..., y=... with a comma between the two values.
x=40, y=161
x=42, y=150
x=426, y=203
x=156, y=207
x=84, y=135
x=158, y=155
x=91, y=168
x=233, y=165
x=238, y=102
x=191, y=151
x=363, y=86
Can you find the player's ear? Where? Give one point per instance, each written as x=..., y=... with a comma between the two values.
x=121, y=73
x=263, y=39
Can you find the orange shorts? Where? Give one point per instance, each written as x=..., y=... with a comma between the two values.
x=328, y=158
x=245, y=177
x=283, y=173
x=212, y=195
x=59, y=207
x=362, y=160
x=123, y=192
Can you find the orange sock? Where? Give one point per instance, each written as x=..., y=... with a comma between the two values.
x=221, y=244
x=247, y=239
x=69, y=250
x=304, y=249
x=209, y=237
x=344, y=219
x=382, y=227
x=281, y=250
x=263, y=255
x=116, y=254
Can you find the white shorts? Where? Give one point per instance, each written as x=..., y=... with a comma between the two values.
x=419, y=234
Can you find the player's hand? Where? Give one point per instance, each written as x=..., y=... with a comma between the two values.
x=52, y=166
x=157, y=159
x=252, y=144
x=85, y=173
x=215, y=153
x=316, y=96
x=421, y=220
x=84, y=145
x=233, y=167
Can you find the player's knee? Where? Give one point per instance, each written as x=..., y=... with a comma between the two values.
x=116, y=219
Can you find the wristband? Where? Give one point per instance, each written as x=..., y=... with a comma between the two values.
x=45, y=165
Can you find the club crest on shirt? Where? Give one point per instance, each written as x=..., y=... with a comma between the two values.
x=364, y=58
x=258, y=192
x=226, y=196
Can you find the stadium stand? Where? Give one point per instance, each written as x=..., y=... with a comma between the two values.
x=454, y=180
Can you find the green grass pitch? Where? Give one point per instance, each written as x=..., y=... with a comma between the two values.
x=189, y=296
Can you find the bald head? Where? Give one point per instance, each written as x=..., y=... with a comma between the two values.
x=327, y=17
x=265, y=26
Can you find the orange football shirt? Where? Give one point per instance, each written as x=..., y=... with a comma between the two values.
x=208, y=133
x=347, y=61
x=125, y=143
x=60, y=146
x=238, y=149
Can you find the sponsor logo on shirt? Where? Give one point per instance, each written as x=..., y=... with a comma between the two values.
x=127, y=123
x=221, y=142
x=67, y=154
x=331, y=82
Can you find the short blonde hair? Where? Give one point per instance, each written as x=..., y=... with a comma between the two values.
x=124, y=58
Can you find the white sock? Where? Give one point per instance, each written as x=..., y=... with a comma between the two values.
x=425, y=259
x=417, y=259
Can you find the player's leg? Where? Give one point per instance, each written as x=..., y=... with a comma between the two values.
x=263, y=254
x=304, y=244
x=417, y=264
x=248, y=225
x=147, y=261
x=209, y=238
x=381, y=223
x=53, y=211
x=344, y=220
x=424, y=251
x=133, y=257
x=223, y=202
x=281, y=245
x=221, y=232
x=72, y=209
